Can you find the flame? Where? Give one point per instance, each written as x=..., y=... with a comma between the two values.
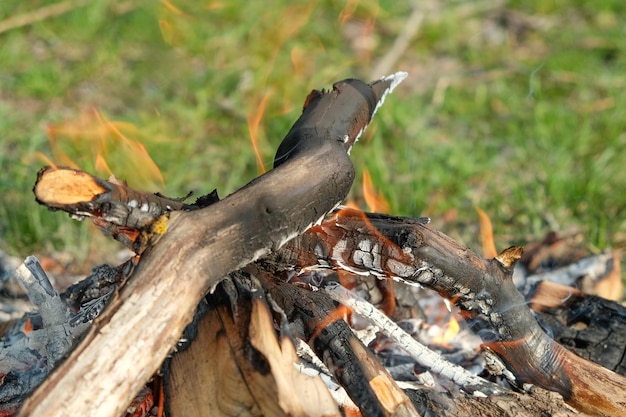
x=299, y=60
x=254, y=121
x=43, y=157
x=375, y=201
x=450, y=330
x=349, y=279
x=92, y=141
x=214, y=5
x=174, y=21
x=101, y=164
x=363, y=40
x=171, y=35
x=486, y=234
x=292, y=20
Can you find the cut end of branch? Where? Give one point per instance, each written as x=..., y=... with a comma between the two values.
x=509, y=256
x=65, y=186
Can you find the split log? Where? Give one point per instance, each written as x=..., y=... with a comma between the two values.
x=409, y=251
x=142, y=324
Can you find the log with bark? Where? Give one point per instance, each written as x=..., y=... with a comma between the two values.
x=273, y=239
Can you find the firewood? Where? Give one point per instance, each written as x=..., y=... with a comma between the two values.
x=130, y=340
x=186, y=251
x=298, y=303
x=368, y=383
x=483, y=289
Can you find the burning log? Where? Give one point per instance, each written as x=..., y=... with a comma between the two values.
x=313, y=174
x=409, y=251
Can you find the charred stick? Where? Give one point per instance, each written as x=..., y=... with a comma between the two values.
x=35, y=343
x=55, y=314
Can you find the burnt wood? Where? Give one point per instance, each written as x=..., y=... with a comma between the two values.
x=482, y=288
x=353, y=364
x=591, y=326
x=131, y=339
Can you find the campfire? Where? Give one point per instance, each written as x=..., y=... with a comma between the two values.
x=277, y=300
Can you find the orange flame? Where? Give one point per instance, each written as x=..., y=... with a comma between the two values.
x=292, y=20
x=254, y=121
x=375, y=201
x=171, y=35
x=452, y=328
x=486, y=234
x=214, y=5
x=43, y=157
x=92, y=140
x=172, y=8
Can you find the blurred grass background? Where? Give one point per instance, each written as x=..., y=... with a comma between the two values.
x=516, y=107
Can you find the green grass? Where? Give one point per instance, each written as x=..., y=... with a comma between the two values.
x=517, y=109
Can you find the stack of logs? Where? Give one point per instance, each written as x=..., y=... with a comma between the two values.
x=233, y=306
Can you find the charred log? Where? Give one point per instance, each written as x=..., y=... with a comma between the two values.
x=483, y=289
